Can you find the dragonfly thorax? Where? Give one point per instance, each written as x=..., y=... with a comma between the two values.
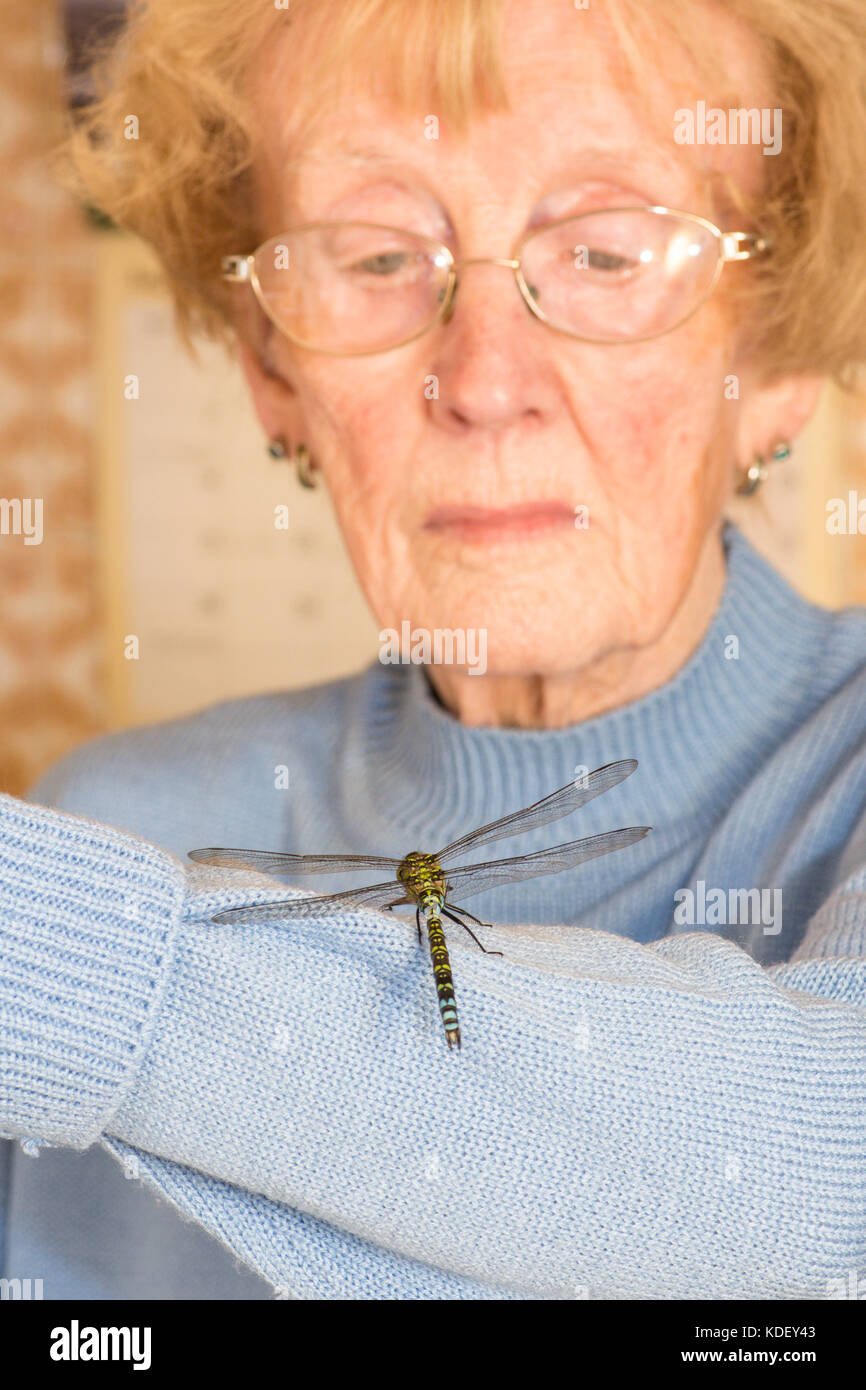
x=422, y=875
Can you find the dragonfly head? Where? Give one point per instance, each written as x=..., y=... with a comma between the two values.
x=410, y=865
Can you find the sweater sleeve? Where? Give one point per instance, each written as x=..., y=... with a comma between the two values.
x=670, y=1120
x=88, y=919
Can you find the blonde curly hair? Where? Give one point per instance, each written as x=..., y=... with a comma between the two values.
x=186, y=185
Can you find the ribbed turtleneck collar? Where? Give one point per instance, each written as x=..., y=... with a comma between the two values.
x=698, y=737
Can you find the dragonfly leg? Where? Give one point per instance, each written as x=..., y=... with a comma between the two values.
x=449, y=913
x=418, y=923
x=471, y=918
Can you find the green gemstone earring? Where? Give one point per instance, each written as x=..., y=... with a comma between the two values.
x=301, y=457
x=757, y=470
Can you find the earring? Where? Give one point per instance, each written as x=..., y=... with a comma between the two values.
x=304, y=466
x=301, y=457
x=755, y=474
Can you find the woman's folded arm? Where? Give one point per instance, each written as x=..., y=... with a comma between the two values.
x=612, y=1101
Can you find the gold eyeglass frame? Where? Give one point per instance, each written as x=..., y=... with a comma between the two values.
x=732, y=246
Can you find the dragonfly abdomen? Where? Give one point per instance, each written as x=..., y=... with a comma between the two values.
x=442, y=972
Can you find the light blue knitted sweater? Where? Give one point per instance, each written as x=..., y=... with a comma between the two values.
x=643, y=1105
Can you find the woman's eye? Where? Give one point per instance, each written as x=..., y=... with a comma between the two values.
x=607, y=260
x=385, y=263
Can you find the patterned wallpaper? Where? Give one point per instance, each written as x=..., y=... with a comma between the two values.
x=50, y=689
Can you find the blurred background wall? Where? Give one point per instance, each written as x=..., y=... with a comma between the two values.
x=161, y=582
x=51, y=691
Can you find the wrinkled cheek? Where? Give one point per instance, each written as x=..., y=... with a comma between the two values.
x=369, y=506
x=340, y=398
x=656, y=412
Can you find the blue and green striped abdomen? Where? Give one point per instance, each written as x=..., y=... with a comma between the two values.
x=442, y=975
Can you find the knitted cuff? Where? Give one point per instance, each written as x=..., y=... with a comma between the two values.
x=87, y=924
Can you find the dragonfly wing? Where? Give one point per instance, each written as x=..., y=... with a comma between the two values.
x=376, y=895
x=266, y=861
x=559, y=803
x=475, y=878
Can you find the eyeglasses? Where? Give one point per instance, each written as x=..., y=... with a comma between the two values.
x=618, y=275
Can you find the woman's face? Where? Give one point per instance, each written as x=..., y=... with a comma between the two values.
x=644, y=436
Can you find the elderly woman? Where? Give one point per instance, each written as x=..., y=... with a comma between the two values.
x=530, y=290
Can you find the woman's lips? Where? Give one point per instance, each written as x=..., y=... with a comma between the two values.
x=523, y=520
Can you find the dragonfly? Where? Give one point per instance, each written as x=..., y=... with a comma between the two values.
x=430, y=883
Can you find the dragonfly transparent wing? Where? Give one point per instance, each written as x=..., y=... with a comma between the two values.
x=475, y=878
x=268, y=862
x=376, y=895
x=553, y=807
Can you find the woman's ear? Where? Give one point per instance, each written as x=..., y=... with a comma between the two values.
x=274, y=399
x=776, y=411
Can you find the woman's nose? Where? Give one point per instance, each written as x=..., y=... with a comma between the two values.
x=490, y=361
